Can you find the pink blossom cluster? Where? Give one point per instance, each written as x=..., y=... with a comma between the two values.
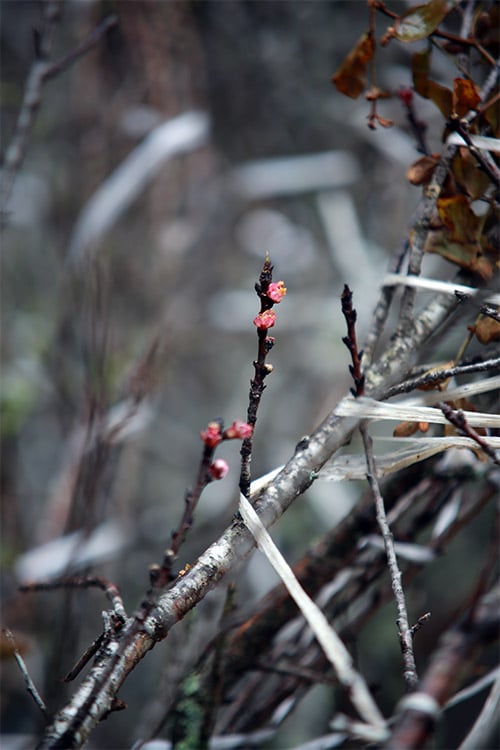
x=215, y=434
x=276, y=291
x=267, y=318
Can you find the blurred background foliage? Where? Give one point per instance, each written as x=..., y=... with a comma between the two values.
x=165, y=308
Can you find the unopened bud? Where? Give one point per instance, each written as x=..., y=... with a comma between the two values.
x=218, y=469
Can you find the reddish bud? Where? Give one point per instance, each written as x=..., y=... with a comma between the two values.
x=265, y=319
x=218, y=469
x=212, y=436
x=239, y=430
x=276, y=290
x=406, y=96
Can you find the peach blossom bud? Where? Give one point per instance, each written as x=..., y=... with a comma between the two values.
x=218, y=469
x=265, y=319
x=212, y=436
x=276, y=290
x=238, y=430
x=406, y=95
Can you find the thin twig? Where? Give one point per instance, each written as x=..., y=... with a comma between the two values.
x=458, y=420
x=115, y=620
x=404, y=630
x=420, y=623
x=350, y=341
x=91, y=40
x=419, y=232
x=485, y=161
x=421, y=224
x=308, y=675
x=417, y=127
x=490, y=312
x=261, y=368
x=437, y=376
x=208, y=470
x=485, y=309
x=418, y=712
x=109, y=588
x=161, y=575
x=41, y=71
x=382, y=309
x=86, y=657
x=30, y=685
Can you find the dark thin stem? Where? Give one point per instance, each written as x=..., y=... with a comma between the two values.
x=213, y=693
x=485, y=162
x=383, y=306
x=161, y=575
x=455, y=656
x=437, y=376
x=417, y=127
x=487, y=104
x=93, y=38
x=261, y=371
x=109, y=588
x=421, y=224
x=419, y=235
x=86, y=657
x=485, y=309
x=41, y=71
x=490, y=312
x=488, y=568
x=308, y=675
x=458, y=420
x=420, y=623
x=351, y=342
x=456, y=39
x=404, y=630
x=115, y=620
x=30, y=685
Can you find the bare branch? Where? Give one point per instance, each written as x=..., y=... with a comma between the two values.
x=30, y=685
x=420, y=711
x=109, y=588
x=437, y=376
x=458, y=419
x=42, y=70
x=269, y=293
x=351, y=342
x=404, y=631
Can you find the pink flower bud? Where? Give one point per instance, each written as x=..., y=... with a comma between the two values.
x=212, y=436
x=265, y=319
x=276, y=290
x=218, y=469
x=239, y=430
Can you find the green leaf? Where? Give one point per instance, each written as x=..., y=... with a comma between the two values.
x=418, y=22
